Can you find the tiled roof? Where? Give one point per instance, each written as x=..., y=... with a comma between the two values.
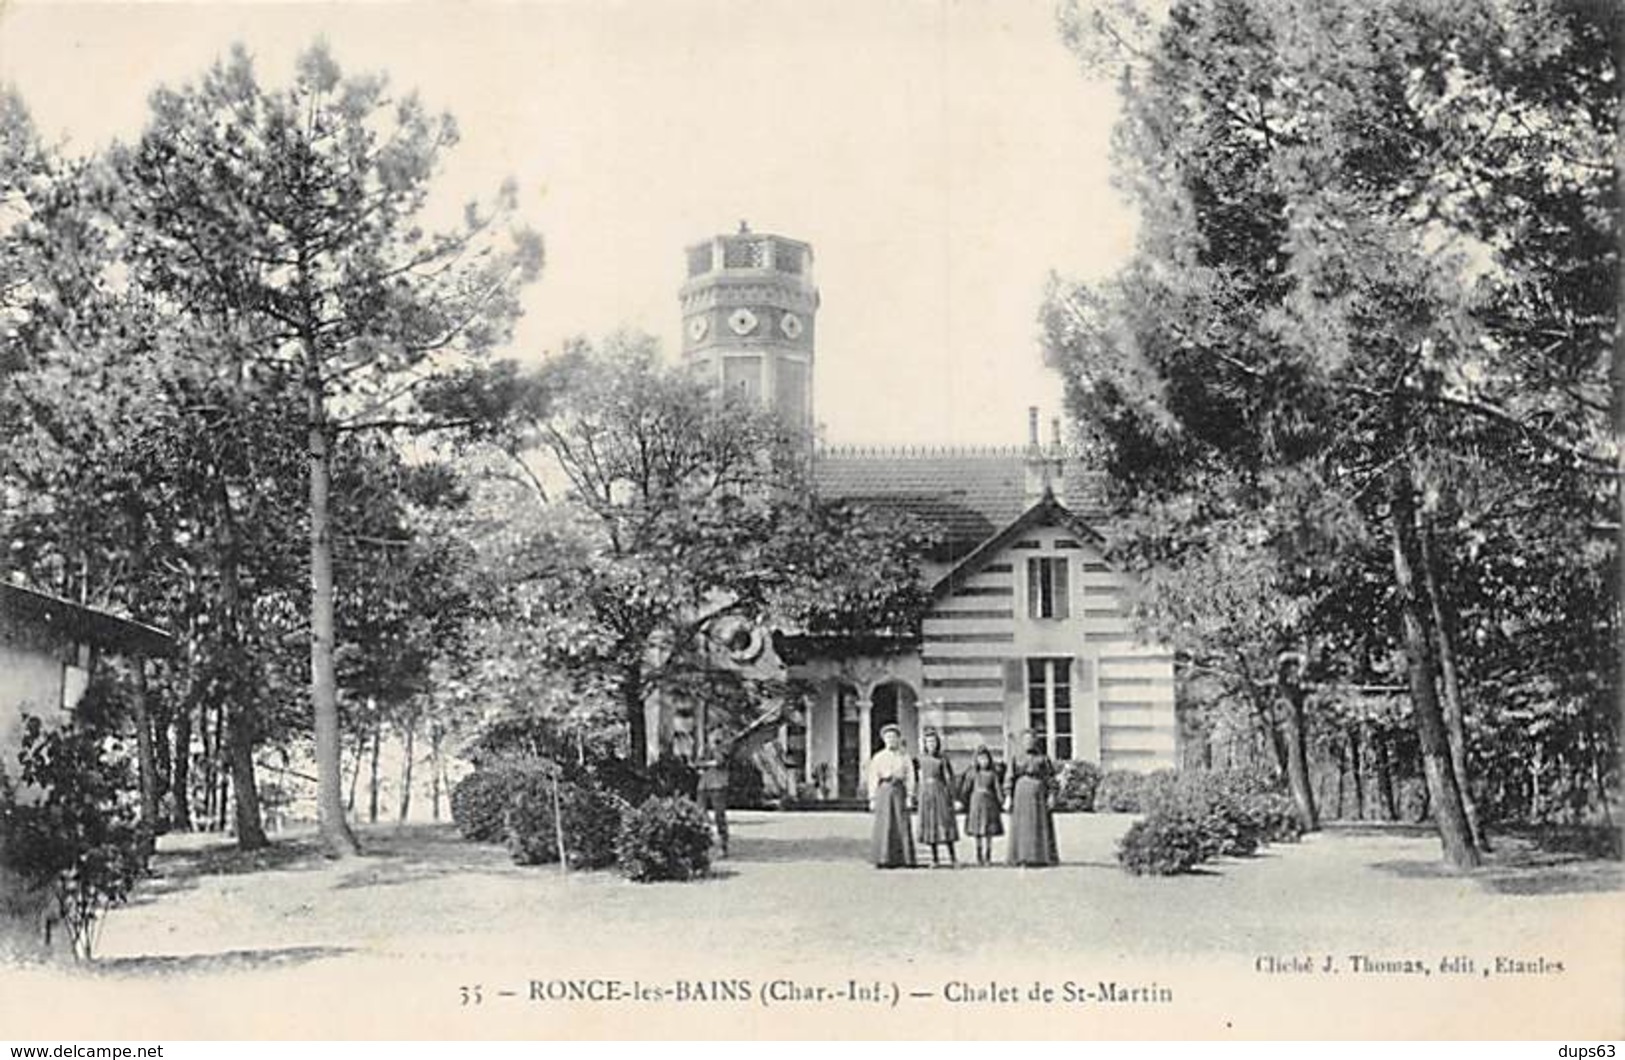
x=19, y=603
x=971, y=494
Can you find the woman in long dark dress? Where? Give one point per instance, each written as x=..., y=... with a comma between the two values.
x=891, y=778
x=1032, y=829
x=938, y=823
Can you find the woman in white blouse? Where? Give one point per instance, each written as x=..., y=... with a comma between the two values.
x=891, y=787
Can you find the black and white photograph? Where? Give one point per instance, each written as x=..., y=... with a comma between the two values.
x=722, y=520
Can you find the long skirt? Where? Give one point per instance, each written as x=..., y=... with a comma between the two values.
x=893, y=842
x=1032, y=829
x=938, y=823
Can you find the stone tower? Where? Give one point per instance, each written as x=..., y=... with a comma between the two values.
x=749, y=306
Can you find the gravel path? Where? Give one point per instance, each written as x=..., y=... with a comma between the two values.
x=390, y=939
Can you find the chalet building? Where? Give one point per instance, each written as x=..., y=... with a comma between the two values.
x=48, y=650
x=1029, y=627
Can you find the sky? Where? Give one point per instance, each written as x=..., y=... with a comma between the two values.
x=941, y=157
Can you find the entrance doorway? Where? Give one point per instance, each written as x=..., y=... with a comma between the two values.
x=893, y=703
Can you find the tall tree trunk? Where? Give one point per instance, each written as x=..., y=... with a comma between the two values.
x=1342, y=773
x=1454, y=834
x=435, y=737
x=1270, y=726
x=337, y=839
x=1357, y=770
x=1597, y=751
x=355, y=771
x=372, y=793
x=236, y=746
x=637, y=724
x=145, y=758
x=1444, y=640
x=1385, y=774
x=207, y=732
x=163, y=761
x=240, y=745
x=406, y=768
x=1616, y=379
x=1297, y=743
x=181, y=777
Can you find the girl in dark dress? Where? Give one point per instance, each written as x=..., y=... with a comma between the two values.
x=1032, y=829
x=938, y=823
x=984, y=817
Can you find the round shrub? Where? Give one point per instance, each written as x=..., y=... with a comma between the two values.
x=664, y=839
x=592, y=820
x=1119, y=791
x=1164, y=844
x=622, y=777
x=1276, y=816
x=671, y=776
x=1077, y=784
x=479, y=802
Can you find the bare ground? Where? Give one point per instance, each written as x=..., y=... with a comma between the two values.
x=402, y=930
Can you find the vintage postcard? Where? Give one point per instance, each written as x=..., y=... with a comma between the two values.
x=776, y=520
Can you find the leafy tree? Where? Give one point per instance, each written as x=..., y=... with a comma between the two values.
x=291, y=222
x=675, y=508
x=1334, y=281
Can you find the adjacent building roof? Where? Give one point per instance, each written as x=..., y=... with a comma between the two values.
x=969, y=494
x=109, y=631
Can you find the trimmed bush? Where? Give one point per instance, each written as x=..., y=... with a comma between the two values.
x=621, y=777
x=1163, y=844
x=671, y=776
x=479, y=803
x=592, y=821
x=1201, y=815
x=1076, y=787
x=1277, y=817
x=1120, y=791
x=664, y=839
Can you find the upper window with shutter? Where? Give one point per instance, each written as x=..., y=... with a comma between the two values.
x=1047, y=591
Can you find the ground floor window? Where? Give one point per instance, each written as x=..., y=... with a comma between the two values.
x=1049, y=704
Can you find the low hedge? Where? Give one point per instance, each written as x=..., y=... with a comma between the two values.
x=664, y=839
x=1192, y=817
x=1076, y=787
x=591, y=818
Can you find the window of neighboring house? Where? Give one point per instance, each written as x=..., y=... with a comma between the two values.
x=1047, y=594
x=1049, y=704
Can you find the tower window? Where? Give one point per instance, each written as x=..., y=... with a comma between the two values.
x=1047, y=589
x=790, y=386
x=787, y=258
x=742, y=377
x=745, y=254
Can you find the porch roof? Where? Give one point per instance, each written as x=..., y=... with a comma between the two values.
x=796, y=648
x=101, y=628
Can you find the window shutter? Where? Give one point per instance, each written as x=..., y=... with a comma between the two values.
x=1035, y=593
x=1063, y=602
x=1013, y=683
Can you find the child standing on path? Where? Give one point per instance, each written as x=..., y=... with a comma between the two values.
x=938, y=822
x=713, y=787
x=984, y=816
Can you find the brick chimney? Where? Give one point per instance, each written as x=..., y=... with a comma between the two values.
x=1046, y=466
